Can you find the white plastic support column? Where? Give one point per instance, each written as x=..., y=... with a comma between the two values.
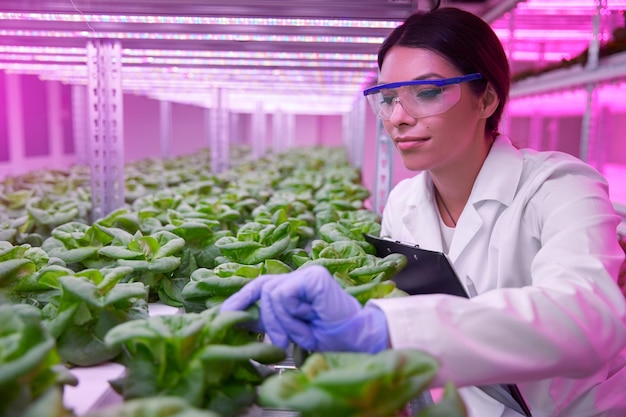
x=354, y=124
x=165, y=113
x=349, y=137
x=602, y=130
x=208, y=116
x=106, y=141
x=384, y=168
x=511, y=42
x=278, y=131
x=219, y=133
x=553, y=133
x=589, y=122
x=289, y=121
x=80, y=124
x=258, y=132
x=594, y=46
x=235, y=128
x=15, y=121
x=535, y=140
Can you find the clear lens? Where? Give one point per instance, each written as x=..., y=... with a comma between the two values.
x=417, y=100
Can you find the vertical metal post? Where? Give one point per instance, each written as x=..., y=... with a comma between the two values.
x=384, y=168
x=511, y=43
x=278, y=131
x=535, y=141
x=165, y=113
x=208, y=115
x=602, y=131
x=15, y=120
x=79, y=124
x=289, y=121
x=219, y=134
x=505, y=121
x=354, y=132
x=553, y=134
x=589, y=122
x=259, y=132
x=234, y=128
x=106, y=141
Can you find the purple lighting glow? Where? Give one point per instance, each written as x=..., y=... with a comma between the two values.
x=198, y=20
x=191, y=36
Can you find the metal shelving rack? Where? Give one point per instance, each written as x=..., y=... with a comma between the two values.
x=596, y=73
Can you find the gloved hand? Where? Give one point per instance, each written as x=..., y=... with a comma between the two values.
x=311, y=309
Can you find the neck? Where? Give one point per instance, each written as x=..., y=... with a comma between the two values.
x=444, y=211
x=453, y=184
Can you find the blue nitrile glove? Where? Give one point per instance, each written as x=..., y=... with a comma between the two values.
x=311, y=309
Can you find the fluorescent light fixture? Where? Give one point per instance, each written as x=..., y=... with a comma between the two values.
x=546, y=34
x=128, y=52
x=169, y=61
x=377, y=40
x=201, y=73
x=247, y=103
x=570, y=102
x=566, y=5
x=198, y=20
x=539, y=56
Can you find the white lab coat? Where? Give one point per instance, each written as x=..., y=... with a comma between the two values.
x=538, y=242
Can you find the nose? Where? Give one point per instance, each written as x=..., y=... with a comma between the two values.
x=399, y=115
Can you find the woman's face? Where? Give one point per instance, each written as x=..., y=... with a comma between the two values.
x=433, y=142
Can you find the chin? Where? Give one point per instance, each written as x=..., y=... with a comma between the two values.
x=413, y=164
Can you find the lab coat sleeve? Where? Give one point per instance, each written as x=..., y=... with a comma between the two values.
x=568, y=321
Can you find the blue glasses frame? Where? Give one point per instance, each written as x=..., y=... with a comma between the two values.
x=438, y=82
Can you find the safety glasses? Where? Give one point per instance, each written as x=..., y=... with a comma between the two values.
x=419, y=98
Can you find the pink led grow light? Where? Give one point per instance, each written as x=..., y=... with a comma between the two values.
x=293, y=75
x=193, y=61
x=191, y=36
x=571, y=102
x=158, y=61
x=194, y=53
x=563, y=6
x=198, y=20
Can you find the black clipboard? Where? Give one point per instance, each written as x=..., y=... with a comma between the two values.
x=426, y=272
x=430, y=272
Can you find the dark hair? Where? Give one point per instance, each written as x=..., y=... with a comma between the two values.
x=465, y=40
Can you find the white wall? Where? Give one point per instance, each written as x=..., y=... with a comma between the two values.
x=142, y=124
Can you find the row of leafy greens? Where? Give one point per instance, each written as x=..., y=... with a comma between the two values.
x=188, y=239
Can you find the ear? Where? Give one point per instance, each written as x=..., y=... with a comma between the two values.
x=488, y=102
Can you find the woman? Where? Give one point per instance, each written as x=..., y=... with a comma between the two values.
x=531, y=234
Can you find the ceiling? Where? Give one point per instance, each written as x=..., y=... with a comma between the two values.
x=277, y=52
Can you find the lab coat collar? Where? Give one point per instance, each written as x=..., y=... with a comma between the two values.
x=497, y=180
x=500, y=174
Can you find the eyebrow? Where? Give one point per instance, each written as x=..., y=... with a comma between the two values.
x=421, y=77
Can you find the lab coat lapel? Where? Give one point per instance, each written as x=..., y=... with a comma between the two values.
x=468, y=225
x=496, y=182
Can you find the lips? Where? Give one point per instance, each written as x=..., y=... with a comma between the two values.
x=404, y=144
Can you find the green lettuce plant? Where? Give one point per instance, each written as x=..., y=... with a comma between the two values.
x=88, y=305
x=153, y=407
x=205, y=358
x=31, y=374
x=345, y=384
x=255, y=242
x=210, y=287
x=152, y=260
